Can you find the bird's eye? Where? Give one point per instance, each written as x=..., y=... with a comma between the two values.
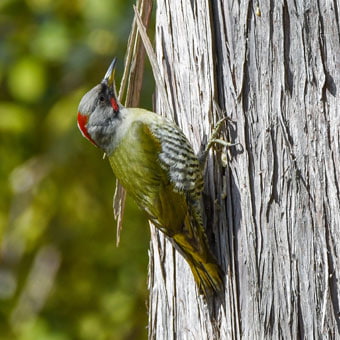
x=101, y=98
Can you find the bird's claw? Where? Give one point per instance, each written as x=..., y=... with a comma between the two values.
x=202, y=156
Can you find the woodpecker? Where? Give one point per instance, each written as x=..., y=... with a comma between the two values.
x=155, y=163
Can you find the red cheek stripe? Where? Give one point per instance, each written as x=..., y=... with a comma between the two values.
x=114, y=104
x=82, y=121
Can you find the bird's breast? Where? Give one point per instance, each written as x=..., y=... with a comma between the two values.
x=136, y=165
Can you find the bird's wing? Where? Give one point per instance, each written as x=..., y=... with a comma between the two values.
x=178, y=159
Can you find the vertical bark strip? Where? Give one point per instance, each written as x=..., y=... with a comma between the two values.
x=130, y=88
x=273, y=214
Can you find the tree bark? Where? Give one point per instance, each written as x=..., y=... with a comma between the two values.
x=273, y=211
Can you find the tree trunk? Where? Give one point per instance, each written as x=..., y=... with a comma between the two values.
x=273, y=211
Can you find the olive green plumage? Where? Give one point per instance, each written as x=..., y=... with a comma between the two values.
x=155, y=163
x=152, y=149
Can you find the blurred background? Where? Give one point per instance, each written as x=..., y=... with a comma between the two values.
x=61, y=275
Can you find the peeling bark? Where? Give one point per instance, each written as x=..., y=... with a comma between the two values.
x=273, y=214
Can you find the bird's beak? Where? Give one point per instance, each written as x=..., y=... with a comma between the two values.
x=109, y=78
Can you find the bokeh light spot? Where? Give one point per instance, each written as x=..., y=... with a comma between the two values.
x=27, y=79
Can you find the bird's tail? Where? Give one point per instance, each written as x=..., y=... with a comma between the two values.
x=208, y=277
x=192, y=243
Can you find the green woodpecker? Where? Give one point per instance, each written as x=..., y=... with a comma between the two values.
x=155, y=163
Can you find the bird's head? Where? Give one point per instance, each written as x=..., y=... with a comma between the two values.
x=99, y=112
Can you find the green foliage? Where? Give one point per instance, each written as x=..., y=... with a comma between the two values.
x=61, y=276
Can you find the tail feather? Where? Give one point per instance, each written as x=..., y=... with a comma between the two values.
x=207, y=273
x=208, y=277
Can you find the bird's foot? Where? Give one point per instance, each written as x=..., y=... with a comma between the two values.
x=205, y=147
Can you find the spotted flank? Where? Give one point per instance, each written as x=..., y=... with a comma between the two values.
x=178, y=156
